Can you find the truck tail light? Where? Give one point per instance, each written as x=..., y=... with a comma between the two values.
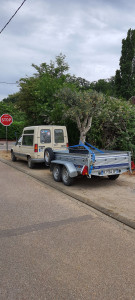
x=67, y=145
x=132, y=165
x=85, y=170
x=36, y=148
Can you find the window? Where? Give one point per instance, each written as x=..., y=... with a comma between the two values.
x=59, y=136
x=45, y=136
x=27, y=140
x=29, y=131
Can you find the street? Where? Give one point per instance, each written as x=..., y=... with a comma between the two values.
x=55, y=247
x=4, y=145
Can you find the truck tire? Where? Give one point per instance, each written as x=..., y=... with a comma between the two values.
x=49, y=156
x=67, y=180
x=13, y=157
x=113, y=177
x=57, y=173
x=30, y=163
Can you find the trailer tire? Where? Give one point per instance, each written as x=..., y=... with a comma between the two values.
x=49, y=156
x=113, y=177
x=57, y=173
x=67, y=180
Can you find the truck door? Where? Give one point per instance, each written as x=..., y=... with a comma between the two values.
x=45, y=139
x=27, y=145
x=17, y=147
x=59, y=139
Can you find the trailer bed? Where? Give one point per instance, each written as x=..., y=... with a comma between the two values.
x=82, y=160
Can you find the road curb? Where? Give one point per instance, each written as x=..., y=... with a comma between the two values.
x=53, y=184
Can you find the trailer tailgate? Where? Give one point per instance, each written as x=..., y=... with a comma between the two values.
x=111, y=163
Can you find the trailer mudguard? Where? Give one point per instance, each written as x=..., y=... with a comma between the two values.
x=69, y=165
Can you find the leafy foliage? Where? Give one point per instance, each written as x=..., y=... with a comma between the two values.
x=80, y=83
x=37, y=94
x=11, y=98
x=125, y=78
x=19, y=120
x=105, y=86
x=115, y=126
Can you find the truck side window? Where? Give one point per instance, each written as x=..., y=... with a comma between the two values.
x=45, y=136
x=59, y=136
x=27, y=140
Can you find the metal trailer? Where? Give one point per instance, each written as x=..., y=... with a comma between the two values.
x=85, y=159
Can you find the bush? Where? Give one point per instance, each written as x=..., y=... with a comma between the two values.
x=114, y=127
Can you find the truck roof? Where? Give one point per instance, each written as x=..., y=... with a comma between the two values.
x=44, y=126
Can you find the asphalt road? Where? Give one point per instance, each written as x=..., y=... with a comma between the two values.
x=54, y=247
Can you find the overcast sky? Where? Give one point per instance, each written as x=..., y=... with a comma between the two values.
x=88, y=32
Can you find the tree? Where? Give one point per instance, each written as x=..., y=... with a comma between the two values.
x=81, y=107
x=80, y=83
x=126, y=76
x=105, y=86
x=118, y=83
x=11, y=98
x=37, y=93
x=55, y=69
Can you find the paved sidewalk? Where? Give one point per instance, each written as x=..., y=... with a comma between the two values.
x=114, y=198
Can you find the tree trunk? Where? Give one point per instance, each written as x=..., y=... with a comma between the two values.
x=82, y=137
x=84, y=127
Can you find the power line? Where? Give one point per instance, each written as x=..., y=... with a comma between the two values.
x=12, y=16
x=3, y=82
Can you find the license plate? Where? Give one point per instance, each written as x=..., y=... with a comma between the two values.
x=111, y=172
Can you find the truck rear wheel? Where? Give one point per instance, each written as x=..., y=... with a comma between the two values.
x=49, y=156
x=57, y=173
x=67, y=180
x=113, y=177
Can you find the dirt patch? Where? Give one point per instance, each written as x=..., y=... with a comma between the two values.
x=5, y=154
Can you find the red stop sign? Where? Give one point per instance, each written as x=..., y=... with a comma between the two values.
x=6, y=120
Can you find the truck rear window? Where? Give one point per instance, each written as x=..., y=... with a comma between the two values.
x=45, y=136
x=59, y=136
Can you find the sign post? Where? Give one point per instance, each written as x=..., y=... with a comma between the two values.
x=6, y=140
x=6, y=120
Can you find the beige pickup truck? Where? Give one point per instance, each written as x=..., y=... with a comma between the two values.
x=37, y=143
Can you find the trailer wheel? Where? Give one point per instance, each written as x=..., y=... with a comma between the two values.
x=13, y=157
x=57, y=173
x=113, y=177
x=49, y=156
x=67, y=180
